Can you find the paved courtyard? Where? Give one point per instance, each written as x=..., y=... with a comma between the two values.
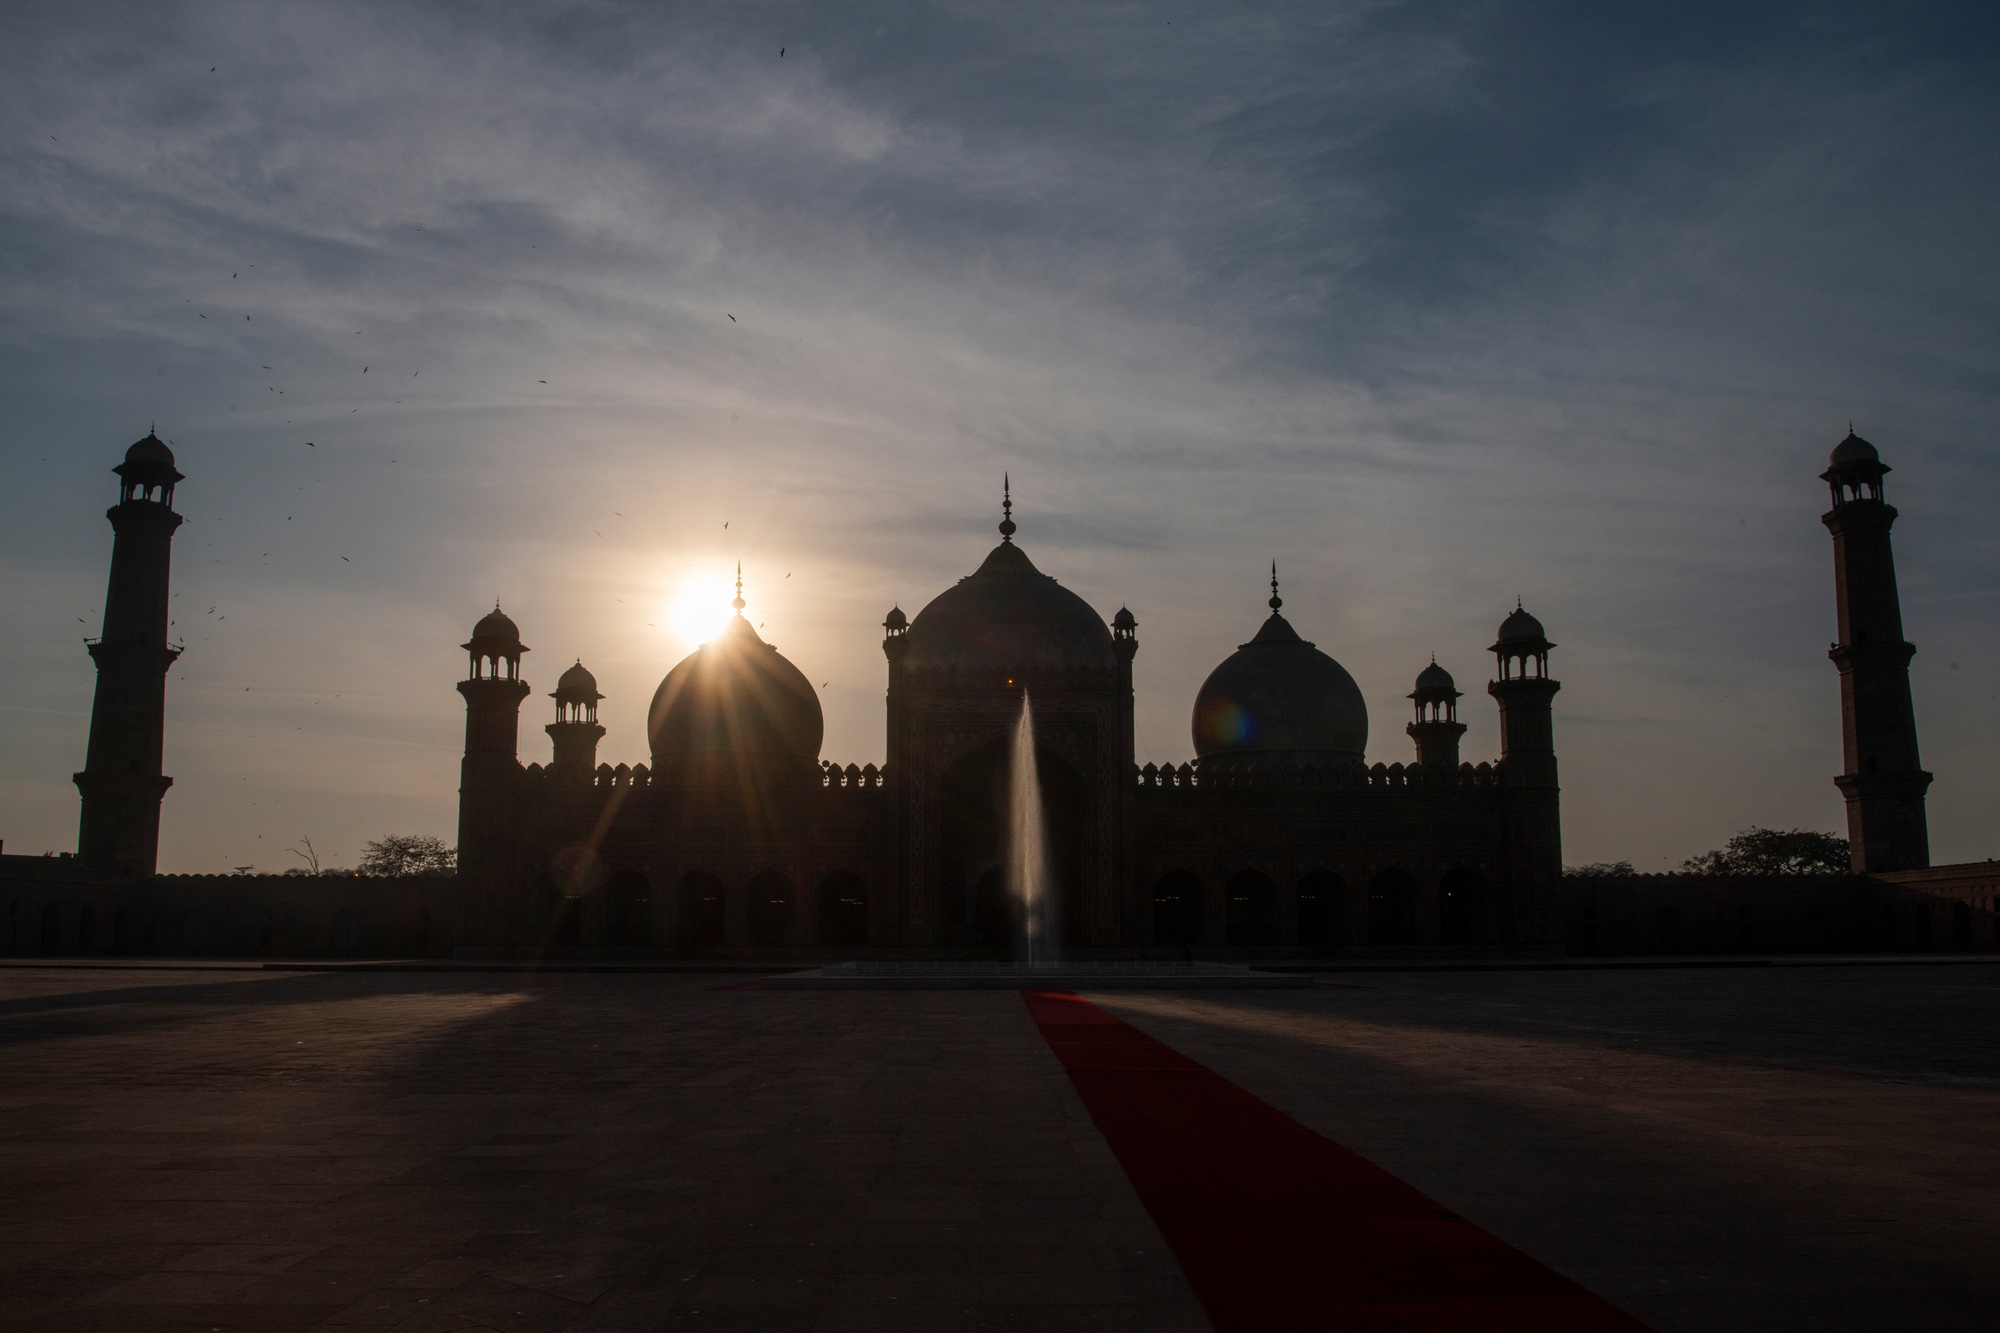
x=1778, y=1148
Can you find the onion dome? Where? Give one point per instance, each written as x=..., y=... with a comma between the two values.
x=895, y=622
x=1434, y=679
x=576, y=685
x=1009, y=616
x=149, y=462
x=1520, y=627
x=1851, y=450
x=735, y=697
x=1279, y=699
x=1124, y=619
x=495, y=628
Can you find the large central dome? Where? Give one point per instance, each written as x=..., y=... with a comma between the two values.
x=735, y=695
x=1009, y=615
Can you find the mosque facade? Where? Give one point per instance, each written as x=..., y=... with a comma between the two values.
x=1278, y=833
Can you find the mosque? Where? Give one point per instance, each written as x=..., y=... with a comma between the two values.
x=1278, y=837
x=1278, y=833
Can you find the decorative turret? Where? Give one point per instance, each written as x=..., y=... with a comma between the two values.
x=1884, y=780
x=575, y=730
x=121, y=782
x=1437, y=728
x=1125, y=635
x=1525, y=693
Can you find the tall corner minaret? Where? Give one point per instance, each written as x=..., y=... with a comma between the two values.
x=576, y=731
x=490, y=772
x=1531, y=798
x=121, y=782
x=1884, y=781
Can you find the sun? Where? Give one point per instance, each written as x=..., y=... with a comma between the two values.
x=700, y=605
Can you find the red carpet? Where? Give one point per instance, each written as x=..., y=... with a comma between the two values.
x=1280, y=1228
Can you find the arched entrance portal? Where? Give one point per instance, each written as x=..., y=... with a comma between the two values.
x=843, y=910
x=697, y=909
x=1462, y=906
x=1177, y=909
x=772, y=917
x=1322, y=909
x=1392, y=907
x=628, y=908
x=973, y=822
x=1250, y=908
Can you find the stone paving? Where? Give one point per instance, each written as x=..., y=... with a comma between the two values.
x=244, y=1150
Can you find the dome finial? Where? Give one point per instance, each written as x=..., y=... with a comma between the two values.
x=1276, y=601
x=1006, y=508
x=738, y=603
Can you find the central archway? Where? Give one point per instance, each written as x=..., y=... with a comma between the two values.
x=1392, y=907
x=972, y=843
x=843, y=910
x=1462, y=906
x=1322, y=909
x=1250, y=908
x=1177, y=909
x=773, y=919
x=628, y=908
x=697, y=909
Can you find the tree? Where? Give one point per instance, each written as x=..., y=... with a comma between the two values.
x=1766, y=851
x=408, y=854
x=1600, y=870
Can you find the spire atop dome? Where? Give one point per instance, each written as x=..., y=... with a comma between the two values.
x=1006, y=508
x=738, y=603
x=1276, y=601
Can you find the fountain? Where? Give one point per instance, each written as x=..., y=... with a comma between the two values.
x=1038, y=941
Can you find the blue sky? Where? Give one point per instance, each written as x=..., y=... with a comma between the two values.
x=1438, y=305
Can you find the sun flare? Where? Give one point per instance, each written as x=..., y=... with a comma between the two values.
x=700, y=606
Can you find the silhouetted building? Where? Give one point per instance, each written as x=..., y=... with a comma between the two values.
x=1883, y=779
x=1278, y=833
x=121, y=782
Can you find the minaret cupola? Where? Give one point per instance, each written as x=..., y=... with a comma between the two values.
x=1437, y=728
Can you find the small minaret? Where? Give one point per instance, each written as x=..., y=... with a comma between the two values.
x=1884, y=781
x=1525, y=694
x=489, y=773
x=1437, y=728
x=575, y=730
x=121, y=780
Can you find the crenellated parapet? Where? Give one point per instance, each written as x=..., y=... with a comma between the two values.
x=1224, y=776
x=852, y=778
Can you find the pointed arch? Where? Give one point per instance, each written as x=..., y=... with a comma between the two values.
x=1250, y=909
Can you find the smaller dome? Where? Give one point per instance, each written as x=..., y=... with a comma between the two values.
x=495, y=626
x=1520, y=626
x=576, y=684
x=152, y=449
x=1279, y=699
x=1124, y=619
x=148, y=463
x=1434, y=679
x=895, y=622
x=1853, y=449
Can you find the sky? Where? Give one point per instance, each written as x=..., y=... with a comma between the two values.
x=577, y=305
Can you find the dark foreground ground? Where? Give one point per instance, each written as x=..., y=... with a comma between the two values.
x=1758, y=1149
